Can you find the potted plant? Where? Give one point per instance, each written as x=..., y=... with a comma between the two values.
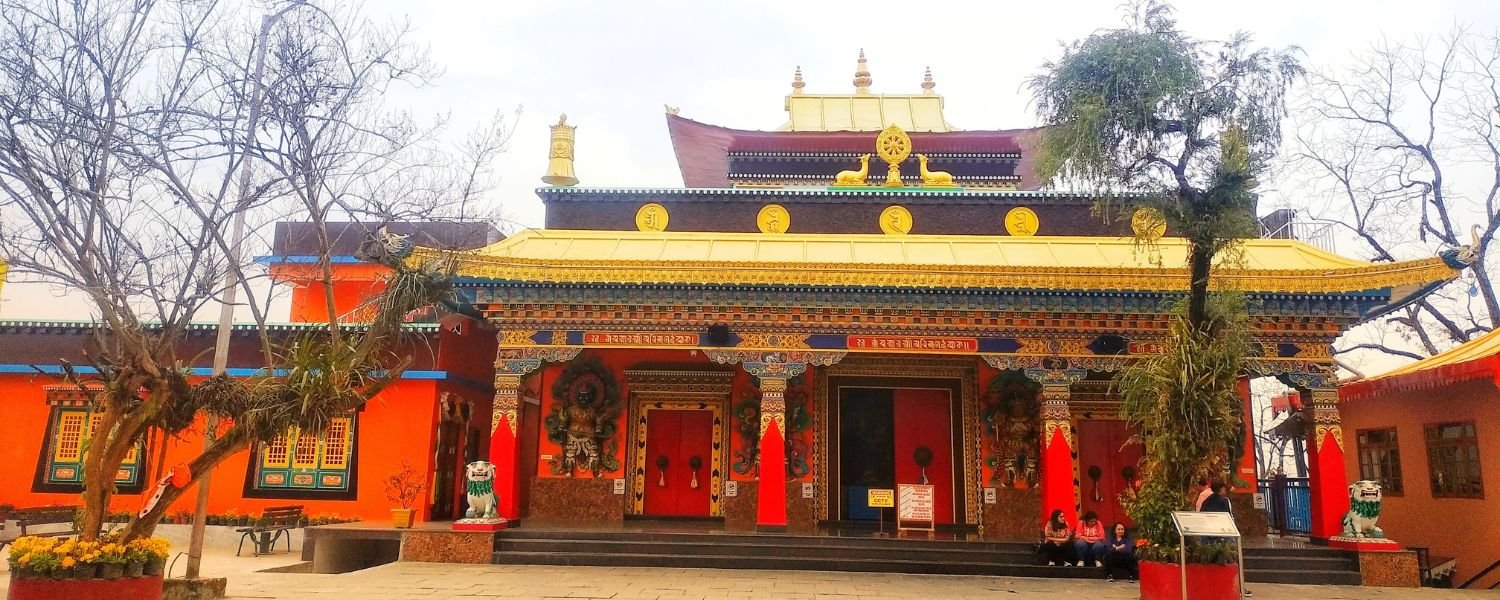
x=403, y=488
x=111, y=560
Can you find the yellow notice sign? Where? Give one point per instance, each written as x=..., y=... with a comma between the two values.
x=881, y=499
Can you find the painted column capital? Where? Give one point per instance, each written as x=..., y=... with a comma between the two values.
x=513, y=364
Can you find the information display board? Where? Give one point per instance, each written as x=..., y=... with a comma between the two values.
x=915, y=507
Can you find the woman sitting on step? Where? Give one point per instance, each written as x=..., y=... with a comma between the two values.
x=1119, y=552
x=1057, y=540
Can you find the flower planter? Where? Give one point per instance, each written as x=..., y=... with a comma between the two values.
x=154, y=567
x=47, y=588
x=111, y=570
x=134, y=569
x=1163, y=581
x=401, y=518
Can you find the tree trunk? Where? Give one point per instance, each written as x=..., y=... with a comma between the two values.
x=231, y=442
x=1200, y=261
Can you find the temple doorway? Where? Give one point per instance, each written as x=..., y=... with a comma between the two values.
x=679, y=449
x=886, y=436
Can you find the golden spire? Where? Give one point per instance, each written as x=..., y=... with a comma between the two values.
x=797, y=83
x=927, y=83
x=862, y=75
x=560, y=165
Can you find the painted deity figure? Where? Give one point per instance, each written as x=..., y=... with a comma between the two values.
x=1019, y=437
x=582, y=427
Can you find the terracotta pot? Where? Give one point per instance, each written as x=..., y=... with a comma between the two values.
x=134, y=569
x=1163, y=581
x=401, y=518
x=47, y=588
x=111, y=570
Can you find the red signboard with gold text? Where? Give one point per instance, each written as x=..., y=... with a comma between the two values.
x=899, y=343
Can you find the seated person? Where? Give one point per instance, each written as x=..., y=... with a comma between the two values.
x=1119, y=553
x=1088, y=540
x=1056, y=538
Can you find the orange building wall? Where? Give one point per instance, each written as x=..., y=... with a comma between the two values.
x=398, y=424
x=353, y=284
x=1460, y=527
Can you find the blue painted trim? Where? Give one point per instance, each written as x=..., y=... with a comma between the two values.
x=22, y=369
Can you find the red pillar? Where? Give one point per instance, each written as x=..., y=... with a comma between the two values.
x=505, y=446
x=770, y=498
x=1058, y=489
x=1327, y=482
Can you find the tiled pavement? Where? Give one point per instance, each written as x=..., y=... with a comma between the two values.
x=425, y=580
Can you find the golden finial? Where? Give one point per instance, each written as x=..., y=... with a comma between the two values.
x=797, y=83
x=927, y=83
x=560, y=165
x=671, y=110
x=862, y=75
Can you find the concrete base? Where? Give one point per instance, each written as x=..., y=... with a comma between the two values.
x=1389, y=569
x=205, y=588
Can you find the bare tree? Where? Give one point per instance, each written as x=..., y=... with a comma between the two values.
x=1402, y=152
x=125, y=126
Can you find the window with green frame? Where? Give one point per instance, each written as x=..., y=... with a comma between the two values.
x=302, y=464
x=60, y=467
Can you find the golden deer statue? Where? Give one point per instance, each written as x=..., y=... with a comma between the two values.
x=934, y=178
x=852, y=178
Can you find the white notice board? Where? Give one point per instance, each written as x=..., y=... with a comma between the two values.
x=914, y=507
x=1215, y=524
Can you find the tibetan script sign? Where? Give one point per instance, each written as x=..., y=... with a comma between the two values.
x=895, y=343
x=638, y=338
x=877, y=498
x=914, y=505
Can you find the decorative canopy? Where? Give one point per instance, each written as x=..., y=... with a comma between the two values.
x=1478, y=358
x=924, y=261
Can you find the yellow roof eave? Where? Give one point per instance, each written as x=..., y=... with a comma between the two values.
x=929, y=261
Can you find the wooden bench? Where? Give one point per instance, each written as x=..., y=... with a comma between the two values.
x=274, y=522
x=29, y=518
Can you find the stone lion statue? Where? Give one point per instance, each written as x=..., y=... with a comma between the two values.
x=1364, y=510
x=481, y=489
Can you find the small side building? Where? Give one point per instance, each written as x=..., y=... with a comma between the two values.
x=1429, y=432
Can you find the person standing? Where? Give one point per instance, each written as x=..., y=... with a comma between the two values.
x=1203, y=493
x=1088, y=540
x=1217, y=501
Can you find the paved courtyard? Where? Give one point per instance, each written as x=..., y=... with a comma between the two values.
x=248, y=579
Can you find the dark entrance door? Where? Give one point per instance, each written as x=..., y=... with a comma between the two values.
x=891, y=436
x=445, y=478
x=678, y=459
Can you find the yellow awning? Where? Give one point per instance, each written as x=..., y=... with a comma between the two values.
x=864, y=112
x=928, y=261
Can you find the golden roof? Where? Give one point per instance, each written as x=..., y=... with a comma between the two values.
x=863, y=111
x=935, y=261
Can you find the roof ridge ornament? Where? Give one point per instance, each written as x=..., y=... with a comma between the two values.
x=560, y=161
x=797, y=83
x=862, y=78
x=894, y=146
x=927, y=83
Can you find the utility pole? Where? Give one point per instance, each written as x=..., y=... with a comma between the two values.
x=231, y=277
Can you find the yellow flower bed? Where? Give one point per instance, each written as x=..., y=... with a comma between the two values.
x=47, y=555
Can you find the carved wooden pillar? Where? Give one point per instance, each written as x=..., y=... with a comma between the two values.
x=1328, y=483
x=1059, y=482
x=506, y=428
x=770, y=503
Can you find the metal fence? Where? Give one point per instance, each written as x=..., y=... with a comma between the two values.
x=1288, y=505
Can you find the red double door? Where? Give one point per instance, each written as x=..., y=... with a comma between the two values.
x=1107, y=467
x=923, y=419
x=676, y=484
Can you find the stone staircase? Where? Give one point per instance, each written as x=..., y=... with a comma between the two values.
x=862, y=554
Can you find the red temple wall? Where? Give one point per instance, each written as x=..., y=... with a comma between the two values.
x=1460, y=527
x=397, y=424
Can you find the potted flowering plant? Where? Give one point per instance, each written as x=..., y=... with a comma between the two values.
x=403, y=488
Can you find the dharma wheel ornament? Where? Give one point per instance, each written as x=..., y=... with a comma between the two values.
x=893, y=146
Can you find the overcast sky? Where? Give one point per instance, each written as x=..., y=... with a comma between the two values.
x=611, y=66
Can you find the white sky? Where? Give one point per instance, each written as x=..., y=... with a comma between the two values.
x=611, y=66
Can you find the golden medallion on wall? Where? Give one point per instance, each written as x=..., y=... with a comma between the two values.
x=773, y=218
x=1021, y=221
x=1148, y=223
x=895, y=220
x=651, y=217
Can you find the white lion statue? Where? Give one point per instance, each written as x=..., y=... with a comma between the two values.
x=1364, y=510
x=481, y=489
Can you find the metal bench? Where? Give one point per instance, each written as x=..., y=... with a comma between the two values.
x=274, y=522
x=28, y=518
